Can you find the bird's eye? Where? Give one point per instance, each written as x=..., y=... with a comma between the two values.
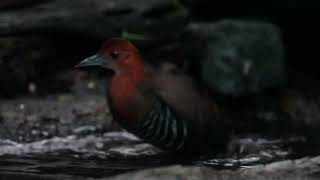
x=114, y=54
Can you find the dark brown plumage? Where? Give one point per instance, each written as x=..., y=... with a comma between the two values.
x=162, y=105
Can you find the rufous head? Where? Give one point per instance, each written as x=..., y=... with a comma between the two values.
x=116, y=54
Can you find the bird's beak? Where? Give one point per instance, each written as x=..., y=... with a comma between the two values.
x=95, y=60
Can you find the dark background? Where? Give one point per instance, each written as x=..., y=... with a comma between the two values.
x=65, y=32
x=258, y=58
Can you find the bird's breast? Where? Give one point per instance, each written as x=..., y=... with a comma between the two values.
x=122, y=97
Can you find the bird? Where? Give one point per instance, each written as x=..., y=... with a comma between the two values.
x=159, y=102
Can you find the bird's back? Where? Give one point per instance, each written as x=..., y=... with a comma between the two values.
x=180, y=114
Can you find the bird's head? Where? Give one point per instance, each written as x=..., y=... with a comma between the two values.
x=118, y=55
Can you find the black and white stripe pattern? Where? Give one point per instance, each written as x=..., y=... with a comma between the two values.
x=161, y=128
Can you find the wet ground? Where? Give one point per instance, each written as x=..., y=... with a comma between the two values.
x=114, y=153
x=67, y=135
x=71, y=136
x=72, y=156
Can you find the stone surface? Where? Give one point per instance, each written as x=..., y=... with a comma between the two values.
x=237, y=57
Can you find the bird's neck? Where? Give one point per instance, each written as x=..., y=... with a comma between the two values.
x=123, y=91
x=123, y=86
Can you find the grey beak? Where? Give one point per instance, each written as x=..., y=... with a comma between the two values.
x=95, y=60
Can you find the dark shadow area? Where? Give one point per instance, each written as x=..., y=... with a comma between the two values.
x=257, y=60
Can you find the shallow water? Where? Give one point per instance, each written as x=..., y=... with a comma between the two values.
x=72, y=156
x=114, y=153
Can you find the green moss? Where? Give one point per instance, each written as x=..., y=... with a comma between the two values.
x=133, y=36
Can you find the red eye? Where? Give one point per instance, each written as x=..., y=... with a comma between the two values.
x=114, y=54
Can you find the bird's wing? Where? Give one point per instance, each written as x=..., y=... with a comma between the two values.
x=180, y=110
x=161, y=127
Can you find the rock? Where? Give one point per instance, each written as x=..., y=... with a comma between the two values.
x=237, y=57
x=296, y=18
